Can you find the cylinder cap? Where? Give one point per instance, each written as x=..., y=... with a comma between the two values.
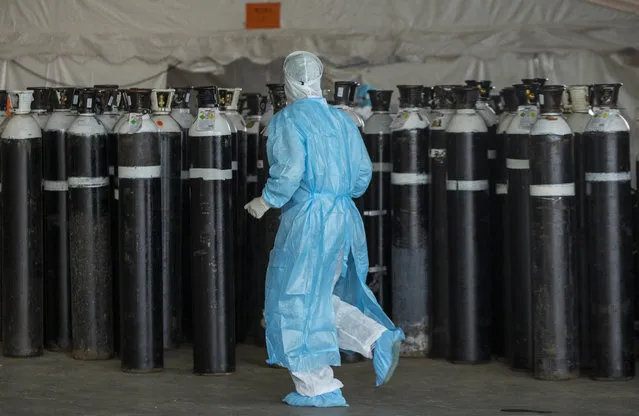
x=380, y=99
x=277, y=96
x=87, y=101
x=139, y=100
x=107, y=98
x=41, y=98
x=229, y=98
x=427, y=97
x=207, y=96
x=527, y=93
x=181, y=97
x=509, y=95
x=410, y=96
x=344, y=93
x=254, y=104
x=470, y=83
x=485, y=87
x=444, y=96
x=580, y=97
x=62, y=98
x=551, y=99
x=605, y=95
x=466, y=97
x=124, y=100
x=161, y=99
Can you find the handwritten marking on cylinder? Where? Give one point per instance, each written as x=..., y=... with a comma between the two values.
x=233, y=165
x=437, y=153
x=116, y=194
x=111, y=170
x=478, y=185
x=211, y=174
x=251, y=179
x=184, y=174
x=555, y=189
x=409, y=178
x=518, y=163
x=377, y=269
x=88, y=182
x=376, y=213
x=608, y=176
x=492, y=154
x=55, y=186
x=260, y=164
x=139, y=172
x=382, y=167
x=501, y=188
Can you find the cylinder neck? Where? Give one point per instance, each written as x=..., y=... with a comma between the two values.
x=277, y=96
x=344, y=93
x=580, y=98
x=161, y=99
x=551, y=99
x=229, y=99
x=107, y=98
x=181, y=98
x=255, y=105
x=427, y=97
x=41, y=98
x=444, y=97
x=87, y=101
x=526, y=93
x=62, y=98
x=485, y=87
x=605, y=95
x=24, y=102
x=466, y=97
x=410, y=96
x=139, y=100
x=380, y=100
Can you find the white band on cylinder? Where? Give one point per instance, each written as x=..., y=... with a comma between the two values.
x=55, y=186
x=492, y=154
x=382, y=167
x=556, y=189
x=251, y=179
x=409, y=178
x=139, y=172
x=377, y=269
x=88, y=182
x=608, y=176
x=437, y=153
x=210, y=174
x=501, y=189
x=479, y=185
x=376, y=213
x=518, y=163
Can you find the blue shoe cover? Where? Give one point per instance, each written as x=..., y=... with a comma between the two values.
x=331, y=399
x=386, y=355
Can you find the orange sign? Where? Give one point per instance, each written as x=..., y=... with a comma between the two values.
x=262, y=15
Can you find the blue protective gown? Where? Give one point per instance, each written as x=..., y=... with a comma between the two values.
x=318, y=163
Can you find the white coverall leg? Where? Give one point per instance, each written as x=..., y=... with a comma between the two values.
x=355, y=332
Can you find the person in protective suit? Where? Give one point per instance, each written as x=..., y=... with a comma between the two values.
x=317, y=301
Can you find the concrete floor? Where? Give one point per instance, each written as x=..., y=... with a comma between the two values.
x=58, y=385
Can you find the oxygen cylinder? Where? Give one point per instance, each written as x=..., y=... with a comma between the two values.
x=108, y=99
x=518, y=213
x=501, y=276
x=343, y=98
x=229, y=98
x=181, y=113
x=140, y=225
x=468, y=232
x=444, y=104
x=552, y=206
x=89, y=233
x=255, y=107
x=578, y=119
x=374, y=204
x=40, y=105
x=608, y=201
x=55, y=187
x=210, y=174
x=270, y=222
x=22, y=249
x=4, y=116
x=409, y=222
x=170, y=134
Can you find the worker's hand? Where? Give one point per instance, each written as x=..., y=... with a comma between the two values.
x=257, y=207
